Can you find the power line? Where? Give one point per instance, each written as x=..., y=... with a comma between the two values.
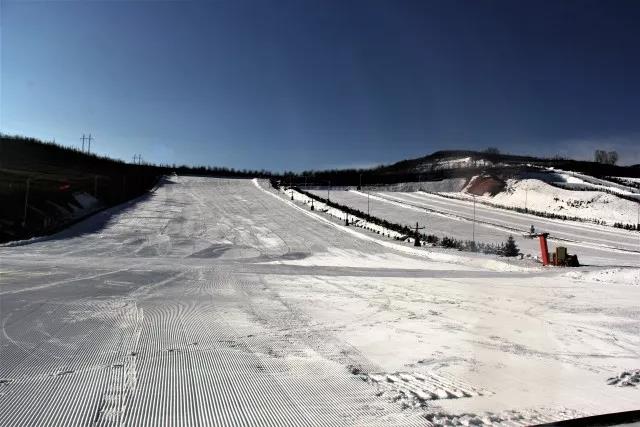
x=88, y=139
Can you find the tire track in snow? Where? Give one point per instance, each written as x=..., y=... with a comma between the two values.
x=60, y=282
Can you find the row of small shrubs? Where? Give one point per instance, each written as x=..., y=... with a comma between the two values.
x=631, y=227
x=577, y=187
x=623, y=182
x=509, y=248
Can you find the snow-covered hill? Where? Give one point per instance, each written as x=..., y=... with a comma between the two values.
x=539, y=196
x=454, y=163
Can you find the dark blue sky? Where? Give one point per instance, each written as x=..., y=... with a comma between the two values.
x=314, y=84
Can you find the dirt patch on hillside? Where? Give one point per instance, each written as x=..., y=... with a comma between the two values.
x=485, y=184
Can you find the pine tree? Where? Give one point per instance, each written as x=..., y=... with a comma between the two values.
x=510, y=248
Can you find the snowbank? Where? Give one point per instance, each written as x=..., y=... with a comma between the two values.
x=622, y=276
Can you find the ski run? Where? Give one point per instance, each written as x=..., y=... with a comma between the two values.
x=223, y=302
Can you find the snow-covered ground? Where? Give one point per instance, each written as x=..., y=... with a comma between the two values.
x=624, y=178
x=587, y=182
x=454, y=163
x=443, y=216
x=221, y=302
x=443, y=185
x=539, y=196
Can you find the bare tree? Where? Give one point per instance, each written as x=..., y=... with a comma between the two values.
x=600, y=156
x=607, y=158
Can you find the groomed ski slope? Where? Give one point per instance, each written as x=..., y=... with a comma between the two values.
x=442, y=216
x=219, y=302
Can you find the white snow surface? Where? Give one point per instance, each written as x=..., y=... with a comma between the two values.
x=86, y=200
x=441, y=186
x=628, y=179
x=618, y=276
x=453, y=163
x=542, y=197
x=222, y=302
x=443, y=216
x=592, y=183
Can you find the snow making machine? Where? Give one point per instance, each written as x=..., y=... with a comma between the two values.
x=559, y=258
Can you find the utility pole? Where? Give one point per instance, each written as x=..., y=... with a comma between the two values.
x=328, y=190
x=26, y=202
x=291, y=186
x=526, y=196
x=368, y=203
x=360, y=185
x=89, y=151
x=474, y=220
x=416, y=241
x=83, y=138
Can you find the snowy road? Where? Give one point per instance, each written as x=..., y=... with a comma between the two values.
x=216, y=302
x=594, y=244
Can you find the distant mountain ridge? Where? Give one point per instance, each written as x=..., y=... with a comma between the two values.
x=481, y=159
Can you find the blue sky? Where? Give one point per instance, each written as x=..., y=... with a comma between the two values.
x=308, y=84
